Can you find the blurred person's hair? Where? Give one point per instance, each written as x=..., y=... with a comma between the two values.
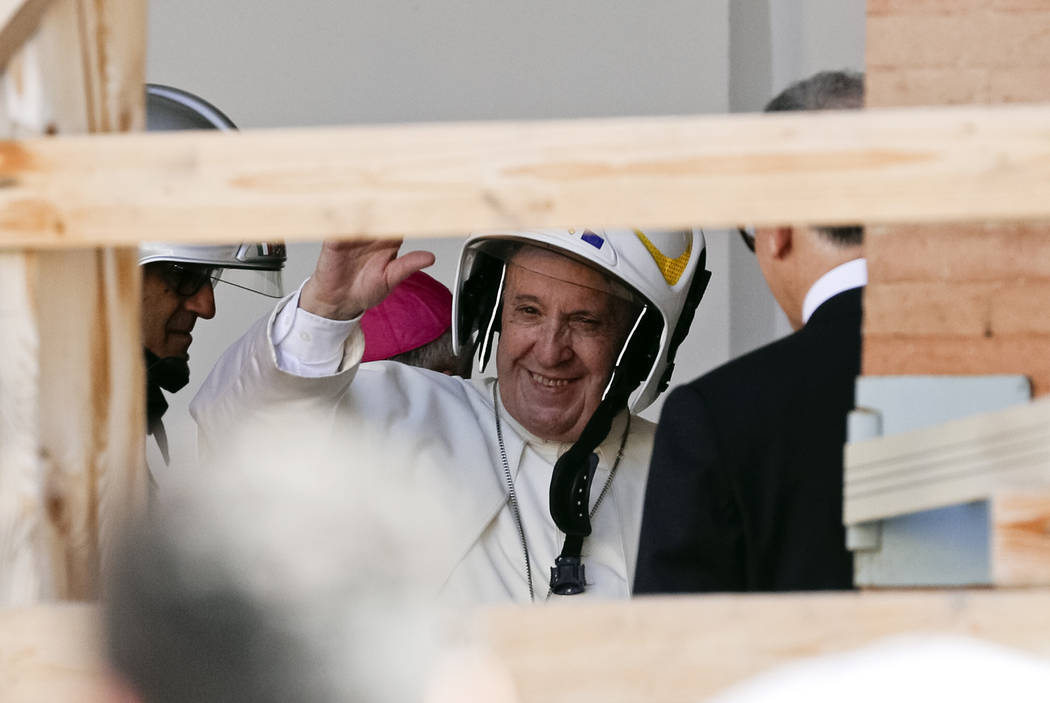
x=292, y=572
x=826, y=90
x=437, y=356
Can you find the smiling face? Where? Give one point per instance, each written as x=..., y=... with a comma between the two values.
x=558, y=342
x=168, y=317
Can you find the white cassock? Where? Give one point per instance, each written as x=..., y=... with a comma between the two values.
x=299, y=364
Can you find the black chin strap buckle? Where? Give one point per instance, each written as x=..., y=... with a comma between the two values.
x=567, y=576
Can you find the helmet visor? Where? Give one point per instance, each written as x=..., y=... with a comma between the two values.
x=268, y=283
x=524, y=278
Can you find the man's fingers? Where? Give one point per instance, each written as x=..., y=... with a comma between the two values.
x=405, y=265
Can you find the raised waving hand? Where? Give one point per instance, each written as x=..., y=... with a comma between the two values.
x=354, y=275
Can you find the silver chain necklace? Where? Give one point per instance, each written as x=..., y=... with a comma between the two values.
x=512, y=495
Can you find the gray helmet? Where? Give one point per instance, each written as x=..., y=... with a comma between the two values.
x=252, y=265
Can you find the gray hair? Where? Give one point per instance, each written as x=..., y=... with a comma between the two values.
x=827, y=90
x=437, y=355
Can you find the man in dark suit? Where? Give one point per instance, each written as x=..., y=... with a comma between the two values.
x=745, y=486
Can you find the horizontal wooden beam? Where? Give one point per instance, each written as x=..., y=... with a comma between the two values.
x=687, y=648
x=948, y=464
x=960, y=163
x=660, y=650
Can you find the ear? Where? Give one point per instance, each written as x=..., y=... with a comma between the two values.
x=780, y=242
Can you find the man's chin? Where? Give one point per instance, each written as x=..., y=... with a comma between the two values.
x=553, y=429
x=178, y=345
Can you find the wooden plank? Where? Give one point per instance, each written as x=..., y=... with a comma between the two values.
x=662, y=650
x=26, y=566
x=1020, y=537
x=18, y=20
x=686, y=648
x=72, y=398
x=52, y=653
x=875, y=166
x=948, y=464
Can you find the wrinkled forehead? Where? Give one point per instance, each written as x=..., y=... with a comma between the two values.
x=552, y=265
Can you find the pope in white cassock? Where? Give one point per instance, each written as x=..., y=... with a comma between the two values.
x=545, y=465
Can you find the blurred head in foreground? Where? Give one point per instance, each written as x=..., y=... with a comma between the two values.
x=279, y=576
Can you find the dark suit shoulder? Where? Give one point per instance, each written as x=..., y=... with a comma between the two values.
x=745, y=489
x=826, y=350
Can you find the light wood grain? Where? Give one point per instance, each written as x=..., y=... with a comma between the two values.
x=659, y=650
x=672, y=650
x=18, y=21
x=71, y=385
x=52, y=654
x=938, y=163
x=1020, y=537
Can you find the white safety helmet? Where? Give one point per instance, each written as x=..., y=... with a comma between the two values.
x=663, y=270
x=663, y=273
x=253, y=265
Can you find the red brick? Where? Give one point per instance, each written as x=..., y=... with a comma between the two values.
x=1018, y=5
x=961, y=253
x=923, y=7
x=1019, y=85
x=907, y=87
x=927, y=41
x=1013, y=39
x=950, y=298
x=929, y=308
x=1021, y=308
x=1028, y=355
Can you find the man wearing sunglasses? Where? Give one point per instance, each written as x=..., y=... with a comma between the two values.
x=177, y=279
x=745, y=485
x=177, y=289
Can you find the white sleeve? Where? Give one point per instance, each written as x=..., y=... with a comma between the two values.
x=311, y=346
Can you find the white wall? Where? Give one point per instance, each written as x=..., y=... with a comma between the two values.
x=773, y=43
x=815, y=35
x=268, y=63
x=272, y=63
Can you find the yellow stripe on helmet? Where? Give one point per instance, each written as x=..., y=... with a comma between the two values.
x=672, y=269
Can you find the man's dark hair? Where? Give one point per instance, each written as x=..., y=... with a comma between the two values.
x=827, y=90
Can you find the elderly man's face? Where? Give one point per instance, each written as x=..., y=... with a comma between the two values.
x=168, y=316
x=558, y=342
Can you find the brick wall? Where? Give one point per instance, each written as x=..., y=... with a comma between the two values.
x=953, y=299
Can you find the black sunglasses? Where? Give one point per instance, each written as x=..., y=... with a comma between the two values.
x=748, y=235
x=187, y=279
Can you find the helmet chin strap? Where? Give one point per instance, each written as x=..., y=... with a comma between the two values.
x=574, y=471
x=171, y=374
x=570, y=496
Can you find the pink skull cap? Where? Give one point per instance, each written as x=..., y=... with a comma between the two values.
x=416, y=312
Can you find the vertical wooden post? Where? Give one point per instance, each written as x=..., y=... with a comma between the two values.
x=71, y=379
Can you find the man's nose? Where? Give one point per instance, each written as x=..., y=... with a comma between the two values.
x=202, y=302
x=554, y=345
